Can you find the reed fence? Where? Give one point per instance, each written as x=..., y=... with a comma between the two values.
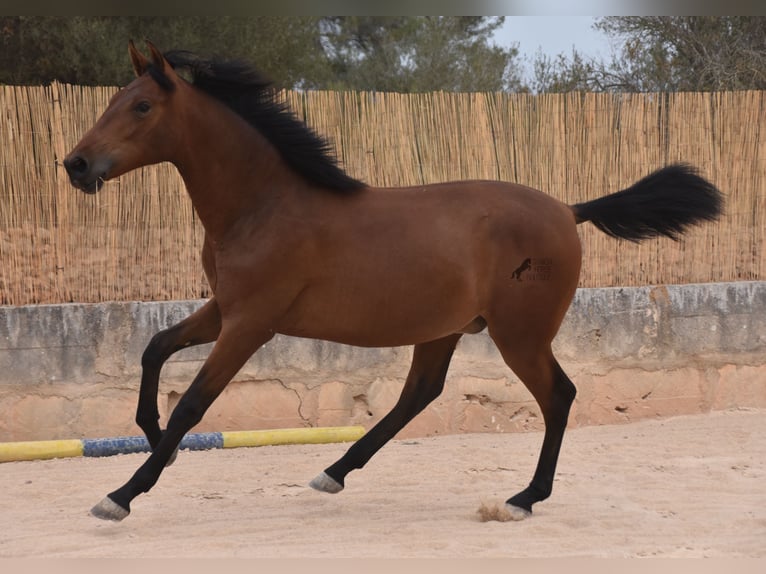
x=139, y=238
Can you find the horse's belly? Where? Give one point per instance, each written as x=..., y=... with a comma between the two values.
x=384, y=317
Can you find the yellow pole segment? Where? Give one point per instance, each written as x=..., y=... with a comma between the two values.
x=36, y=450
x=233, y=439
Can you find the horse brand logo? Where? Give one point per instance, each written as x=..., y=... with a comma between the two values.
x=525, y=266
x=538, y=269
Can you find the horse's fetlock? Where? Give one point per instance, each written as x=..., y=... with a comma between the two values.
x=147, y=422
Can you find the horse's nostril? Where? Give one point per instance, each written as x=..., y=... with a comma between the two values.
x=76, y=165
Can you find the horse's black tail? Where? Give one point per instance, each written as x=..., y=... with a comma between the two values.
x=665, y=202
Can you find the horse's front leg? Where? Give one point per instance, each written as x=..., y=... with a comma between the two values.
x=202, y=326
x=231, y=351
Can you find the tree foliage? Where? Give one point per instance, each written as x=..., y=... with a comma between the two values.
x=371, y=53
x=93, y=50
x=405, y=54
x=420, y=54
x=666, y=53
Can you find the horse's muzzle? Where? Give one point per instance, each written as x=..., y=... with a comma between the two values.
x=82, y=175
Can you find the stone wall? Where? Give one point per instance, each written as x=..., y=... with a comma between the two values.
x=72, y=371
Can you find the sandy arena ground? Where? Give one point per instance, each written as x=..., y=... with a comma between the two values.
x=691, y=486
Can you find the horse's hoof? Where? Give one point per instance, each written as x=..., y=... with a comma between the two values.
x=108, y=509
x=516, y=512
x=324, y=483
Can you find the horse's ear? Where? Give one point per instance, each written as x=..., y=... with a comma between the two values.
x=159, y=62
x=140, y=63
x=158, y=59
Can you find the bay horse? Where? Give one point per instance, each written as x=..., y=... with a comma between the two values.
x=296, y=246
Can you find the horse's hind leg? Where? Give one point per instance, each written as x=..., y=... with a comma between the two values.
x=554, y=393
x=424, y=383
x=202, y=326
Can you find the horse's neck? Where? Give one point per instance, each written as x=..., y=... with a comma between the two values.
x=228, y=169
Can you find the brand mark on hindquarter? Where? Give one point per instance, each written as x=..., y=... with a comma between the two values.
x=533, y=269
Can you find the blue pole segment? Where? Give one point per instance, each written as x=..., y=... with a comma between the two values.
x=132, y=444
x=116, y=445
x=202, y=441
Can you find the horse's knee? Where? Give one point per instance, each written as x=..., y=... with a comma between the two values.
x=158, y=350
x=156, y=353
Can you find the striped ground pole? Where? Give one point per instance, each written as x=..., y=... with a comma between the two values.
x=46, y=449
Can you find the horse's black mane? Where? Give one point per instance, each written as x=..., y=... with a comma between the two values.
x=243, y=89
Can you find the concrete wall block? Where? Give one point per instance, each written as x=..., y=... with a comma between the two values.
x=739, y=386
x=69, y=371
x=335, y=395
x=66, y=411
x=250, y=405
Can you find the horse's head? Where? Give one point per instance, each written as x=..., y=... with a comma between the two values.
x=133, y=130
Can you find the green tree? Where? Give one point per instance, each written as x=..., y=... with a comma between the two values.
x=565, y=74
x=690, y=53
x=667, y=53
x=93, y=50
x=419, y=54
x=370, y=53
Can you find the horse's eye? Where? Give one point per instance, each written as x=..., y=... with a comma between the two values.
x=143, y=107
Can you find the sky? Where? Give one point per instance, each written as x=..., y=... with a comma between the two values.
x=553, y=35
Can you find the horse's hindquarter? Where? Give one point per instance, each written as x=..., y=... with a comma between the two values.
x=401, y=266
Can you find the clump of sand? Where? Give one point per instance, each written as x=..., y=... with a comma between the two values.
x=500, y=513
